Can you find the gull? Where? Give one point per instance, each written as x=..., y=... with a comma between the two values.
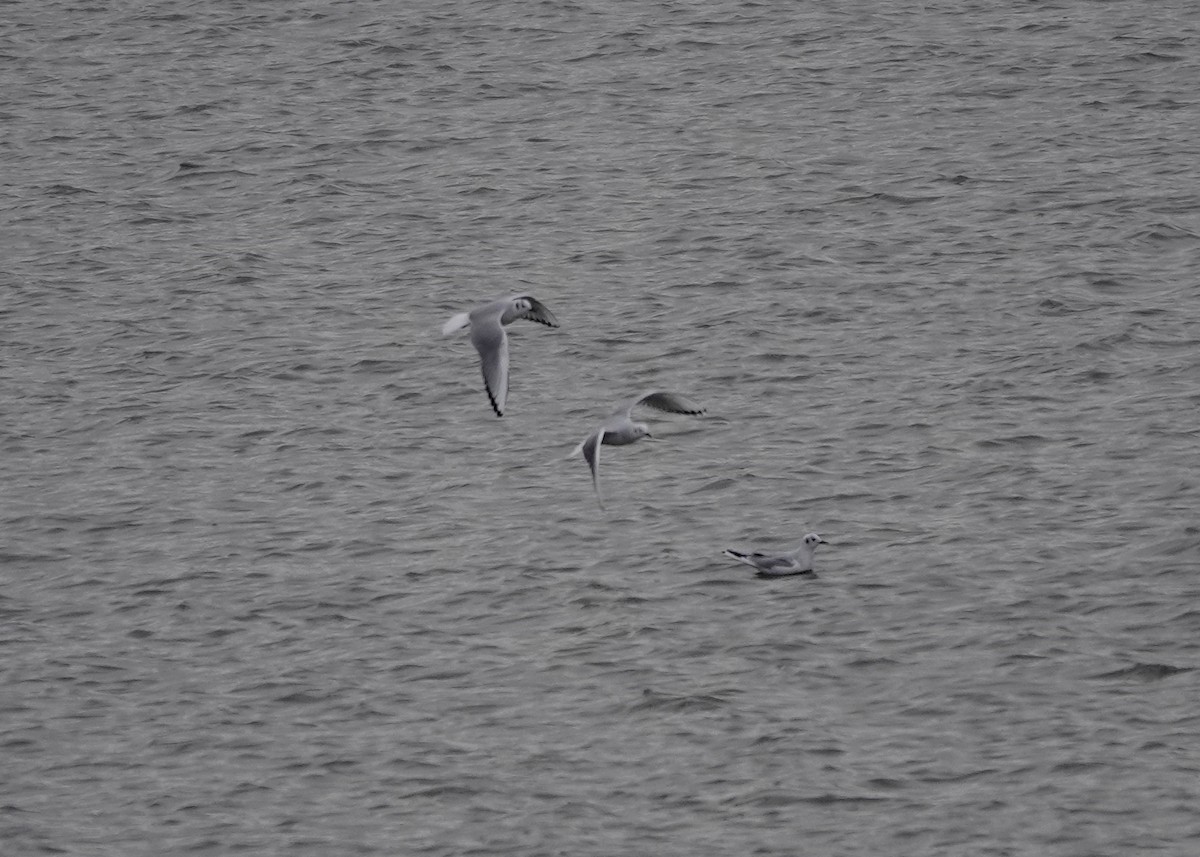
x=797, y=562
x=620, y=429
x=487, y=335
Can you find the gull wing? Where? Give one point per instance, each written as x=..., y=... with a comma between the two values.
x=456, y=322
x=740, y=557
x=765, y=563
x=672, y=403
x=537, y=311
x=772, y=564
x=591, y=452
x=492, y=344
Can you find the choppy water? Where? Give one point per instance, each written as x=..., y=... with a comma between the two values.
x=276, y=581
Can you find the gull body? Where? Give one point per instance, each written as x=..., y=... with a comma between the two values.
x=487, y=335
x=797, y=562
x=620, y=429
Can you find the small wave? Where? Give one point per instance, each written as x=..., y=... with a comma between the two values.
x=1145, y=672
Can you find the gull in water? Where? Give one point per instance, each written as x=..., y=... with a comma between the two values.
x=620, y=429
x=797, y=562
x=487, y=335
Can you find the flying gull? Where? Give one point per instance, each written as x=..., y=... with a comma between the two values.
x=620, y=429
x=487, y=335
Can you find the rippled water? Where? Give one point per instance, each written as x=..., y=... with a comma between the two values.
x=275, y=579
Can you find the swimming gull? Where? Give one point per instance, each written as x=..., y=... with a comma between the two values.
x=487, y=335
x=797, y=562
x=620, y=429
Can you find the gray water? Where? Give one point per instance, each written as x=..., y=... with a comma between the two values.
x=276, y=581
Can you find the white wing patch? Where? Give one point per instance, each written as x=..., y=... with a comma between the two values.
x=456, y=322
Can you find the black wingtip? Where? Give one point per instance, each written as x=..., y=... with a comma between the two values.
x=492, y=400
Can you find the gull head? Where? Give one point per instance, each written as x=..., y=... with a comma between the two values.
x=641, y=430
x=812, y=540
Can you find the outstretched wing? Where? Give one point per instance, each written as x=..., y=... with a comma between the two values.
x=672, y=403
x=491, y=343
x=537, y=311
x=591, y=452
